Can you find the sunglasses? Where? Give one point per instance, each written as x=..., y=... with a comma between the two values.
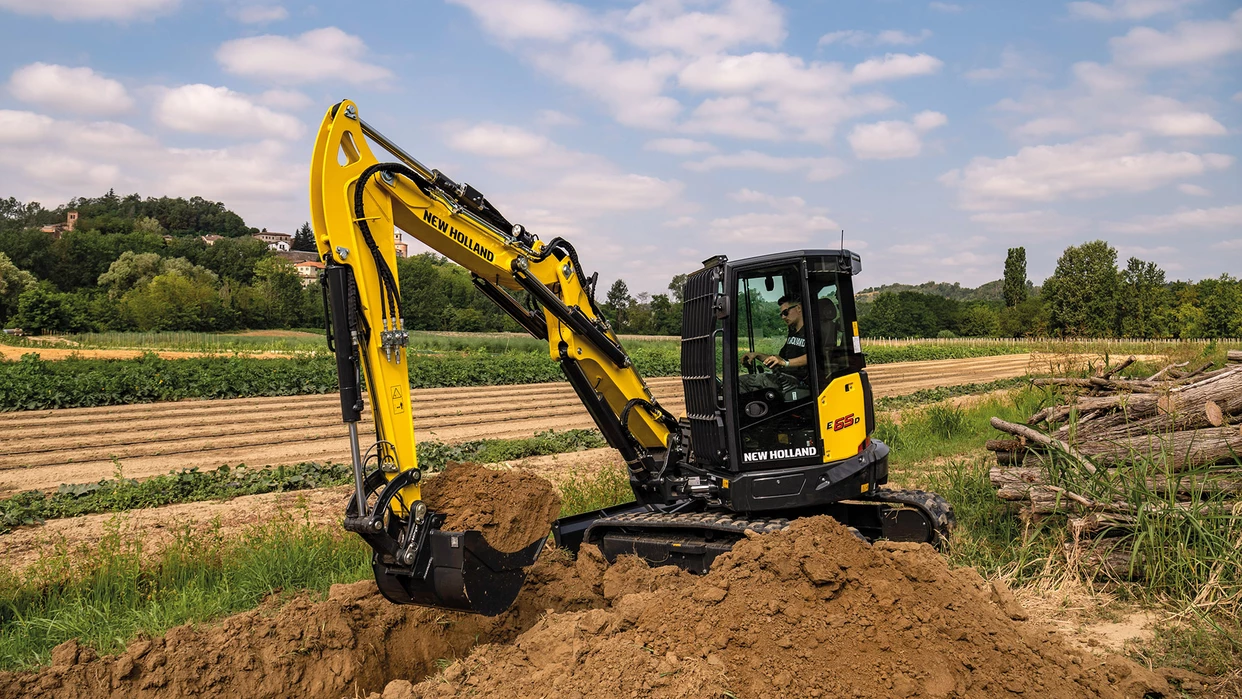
x=785, y=313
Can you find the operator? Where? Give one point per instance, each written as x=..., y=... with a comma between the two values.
x=791, y=361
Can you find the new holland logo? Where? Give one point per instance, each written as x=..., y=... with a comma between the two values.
x=776, y=454
x=465, y=240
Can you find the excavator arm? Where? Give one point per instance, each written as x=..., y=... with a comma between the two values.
x=358, y=204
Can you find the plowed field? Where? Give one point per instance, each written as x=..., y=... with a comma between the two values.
x=40, y=449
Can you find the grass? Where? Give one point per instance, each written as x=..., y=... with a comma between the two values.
x=115, y=590
x=109, y=593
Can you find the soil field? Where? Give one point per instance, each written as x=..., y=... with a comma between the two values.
x=41, y=449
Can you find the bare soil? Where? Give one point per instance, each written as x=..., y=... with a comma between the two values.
x=44, y=448
x=809, y=612
x=513, y=509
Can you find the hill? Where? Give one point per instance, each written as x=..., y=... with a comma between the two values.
x=990, y=291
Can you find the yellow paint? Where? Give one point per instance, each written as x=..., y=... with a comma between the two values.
x=842, y=417
x=865, y=487
x=855, y=328
x=437, y=221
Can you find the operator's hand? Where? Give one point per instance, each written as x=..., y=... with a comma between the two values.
x=773, y=362
x=749, y=358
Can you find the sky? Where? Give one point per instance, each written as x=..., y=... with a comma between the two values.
x=656, y=134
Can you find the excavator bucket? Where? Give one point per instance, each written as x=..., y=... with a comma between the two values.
x=417, y=562
x=462, y=572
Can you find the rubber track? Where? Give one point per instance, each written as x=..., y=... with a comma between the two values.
x=934, y=508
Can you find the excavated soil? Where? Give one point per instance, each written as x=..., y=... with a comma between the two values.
x=513, y=509
x=809, y=612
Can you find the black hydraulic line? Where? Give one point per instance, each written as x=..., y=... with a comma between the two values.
x=340, y=293
x=614, y=433
x=564, y=246
x=573, y=317
x=532, y=321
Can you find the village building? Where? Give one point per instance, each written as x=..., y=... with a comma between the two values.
x=309, y=271
x=58, y=229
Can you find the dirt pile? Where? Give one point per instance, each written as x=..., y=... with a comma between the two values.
x=351, y=643
x=512, y=508
x=809, y=612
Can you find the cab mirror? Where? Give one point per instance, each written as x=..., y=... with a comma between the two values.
x=768, y=283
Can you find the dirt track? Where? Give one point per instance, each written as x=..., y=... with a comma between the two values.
x=40, y=449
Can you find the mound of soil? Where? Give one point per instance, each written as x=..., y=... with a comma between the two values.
x=351, y=643
x=809, y=612
x=513, y=509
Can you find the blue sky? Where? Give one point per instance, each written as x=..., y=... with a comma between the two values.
x=655, y=134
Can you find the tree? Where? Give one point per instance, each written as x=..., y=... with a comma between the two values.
x=1082, y=293
x=304, y=239
x=13, y=283
x=678, y=286
x=41, y=309
x=279, y=284
x=979, y=321
x=1015, y=277
x=146, y=224
x=665, y=316
x=1219, y=301
x=617, y=304
x=173, y=302
x=1144, y=299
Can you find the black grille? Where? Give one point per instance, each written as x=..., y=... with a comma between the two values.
x=698, y=366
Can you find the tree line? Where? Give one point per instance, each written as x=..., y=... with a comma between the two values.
x=1088, y=295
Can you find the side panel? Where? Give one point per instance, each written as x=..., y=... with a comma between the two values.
x=842, y=413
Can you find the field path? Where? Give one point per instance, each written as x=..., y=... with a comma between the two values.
x=44, y=448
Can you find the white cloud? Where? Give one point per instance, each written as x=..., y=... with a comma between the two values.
x=1186, y=43
x=895, y=66
x=23, y=127
x=1125, y=9
x=79, y=90
x=680, y=222
x=893, y=139
x=551, y=117
x=285, y=99
x=218, y=110
x=630, y=88
x=947, y=7
x=1235, y=244
x=1012, y=66
x=1084, y=169
x=1194, y=190
x=63, y=159
x=529, y=19
x=657, y=25
x=260, y=14
x=679, y=146
x=1106, y=98
x=817, y=169
x=319, y=55
x=792, y=221
x=1219, y=218
x=1037, y=222
x=498, y=141
x=889, y=37
x=67, y=10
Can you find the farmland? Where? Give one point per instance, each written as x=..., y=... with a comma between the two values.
x=43, y=448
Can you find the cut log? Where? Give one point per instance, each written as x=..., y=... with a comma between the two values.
x=1165, y=370
x=1040, y=438
x=1215, y=416
x=1128, y=361
x=1004, y=444
x=1111, y=558
x=1014, y=482
x=1177, y=450
x=1234, y=355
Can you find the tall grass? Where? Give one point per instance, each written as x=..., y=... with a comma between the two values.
x=108, y=593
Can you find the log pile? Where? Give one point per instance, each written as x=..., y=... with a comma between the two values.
x=1175, y=437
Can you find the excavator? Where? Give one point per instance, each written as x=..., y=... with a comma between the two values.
x=778, y=406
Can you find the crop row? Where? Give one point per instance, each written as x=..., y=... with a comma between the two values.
x=34, y=384
x=192, y=485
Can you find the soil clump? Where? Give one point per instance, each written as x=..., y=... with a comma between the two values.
x=808, y=612
x=513, y=509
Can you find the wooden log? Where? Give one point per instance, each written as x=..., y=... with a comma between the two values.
x=1013, y=483
x=1004, y=444
x=1165, y=370
x=1040, y=438
x=1182, y=408
x=1128, y=361
x=1112, y=558
x=1177, y=450
x=1233, y=356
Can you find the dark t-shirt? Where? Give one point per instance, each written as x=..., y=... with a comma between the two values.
x=795, y=346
